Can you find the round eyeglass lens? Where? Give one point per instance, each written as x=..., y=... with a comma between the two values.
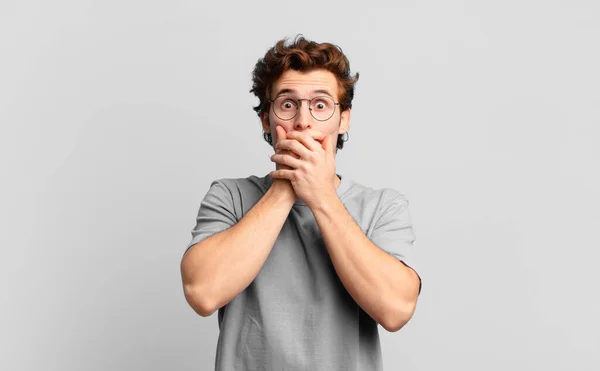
x=322, y=108
x=285, y=107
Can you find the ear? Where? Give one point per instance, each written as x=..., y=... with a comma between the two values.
x=344, y=121
x=264, y=118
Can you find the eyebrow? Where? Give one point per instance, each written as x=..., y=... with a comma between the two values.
x=287, y=90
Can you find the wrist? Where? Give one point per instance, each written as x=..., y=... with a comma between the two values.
x=283, y=189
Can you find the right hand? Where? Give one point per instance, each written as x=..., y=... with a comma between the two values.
x=283, y=185
x=282, y=135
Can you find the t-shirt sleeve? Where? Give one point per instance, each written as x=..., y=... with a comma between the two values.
x=216, y=213
x=393, y=231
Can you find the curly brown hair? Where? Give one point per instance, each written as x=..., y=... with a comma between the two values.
x=302, y=55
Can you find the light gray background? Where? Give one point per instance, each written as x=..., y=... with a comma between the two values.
x=116, y=116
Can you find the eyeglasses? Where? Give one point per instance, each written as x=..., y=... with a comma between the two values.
x=321, y=108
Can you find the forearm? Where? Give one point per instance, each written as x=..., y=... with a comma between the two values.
x=218, y=268
x=383, y=286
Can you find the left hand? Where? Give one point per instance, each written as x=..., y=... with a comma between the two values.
x=313, y=173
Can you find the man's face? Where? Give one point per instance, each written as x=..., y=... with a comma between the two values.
x=307, y=85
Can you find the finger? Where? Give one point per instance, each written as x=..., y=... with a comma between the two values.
x=282, y=174
x=277, y=160
x=327, y=144
x=281, y=136
x=281, y=133
x=295, y=148
x=286, y=161
x=317, y=135
x=313, y=140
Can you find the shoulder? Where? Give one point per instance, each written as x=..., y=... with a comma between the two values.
x=381, y=198
x=391, y=195
x=240, y=184
x=239, y=194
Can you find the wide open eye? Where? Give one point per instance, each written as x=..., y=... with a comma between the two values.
x=286, y=104
x=322, y=104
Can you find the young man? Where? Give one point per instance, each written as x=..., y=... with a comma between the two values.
x=302, y=264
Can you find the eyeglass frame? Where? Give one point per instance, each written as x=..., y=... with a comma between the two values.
x=299, y=104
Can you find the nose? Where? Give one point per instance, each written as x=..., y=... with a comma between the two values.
x=304, y=118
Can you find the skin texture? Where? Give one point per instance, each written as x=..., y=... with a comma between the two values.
x=306, y=129
x=305, y=156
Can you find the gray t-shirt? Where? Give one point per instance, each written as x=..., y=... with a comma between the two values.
x=296, y=314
